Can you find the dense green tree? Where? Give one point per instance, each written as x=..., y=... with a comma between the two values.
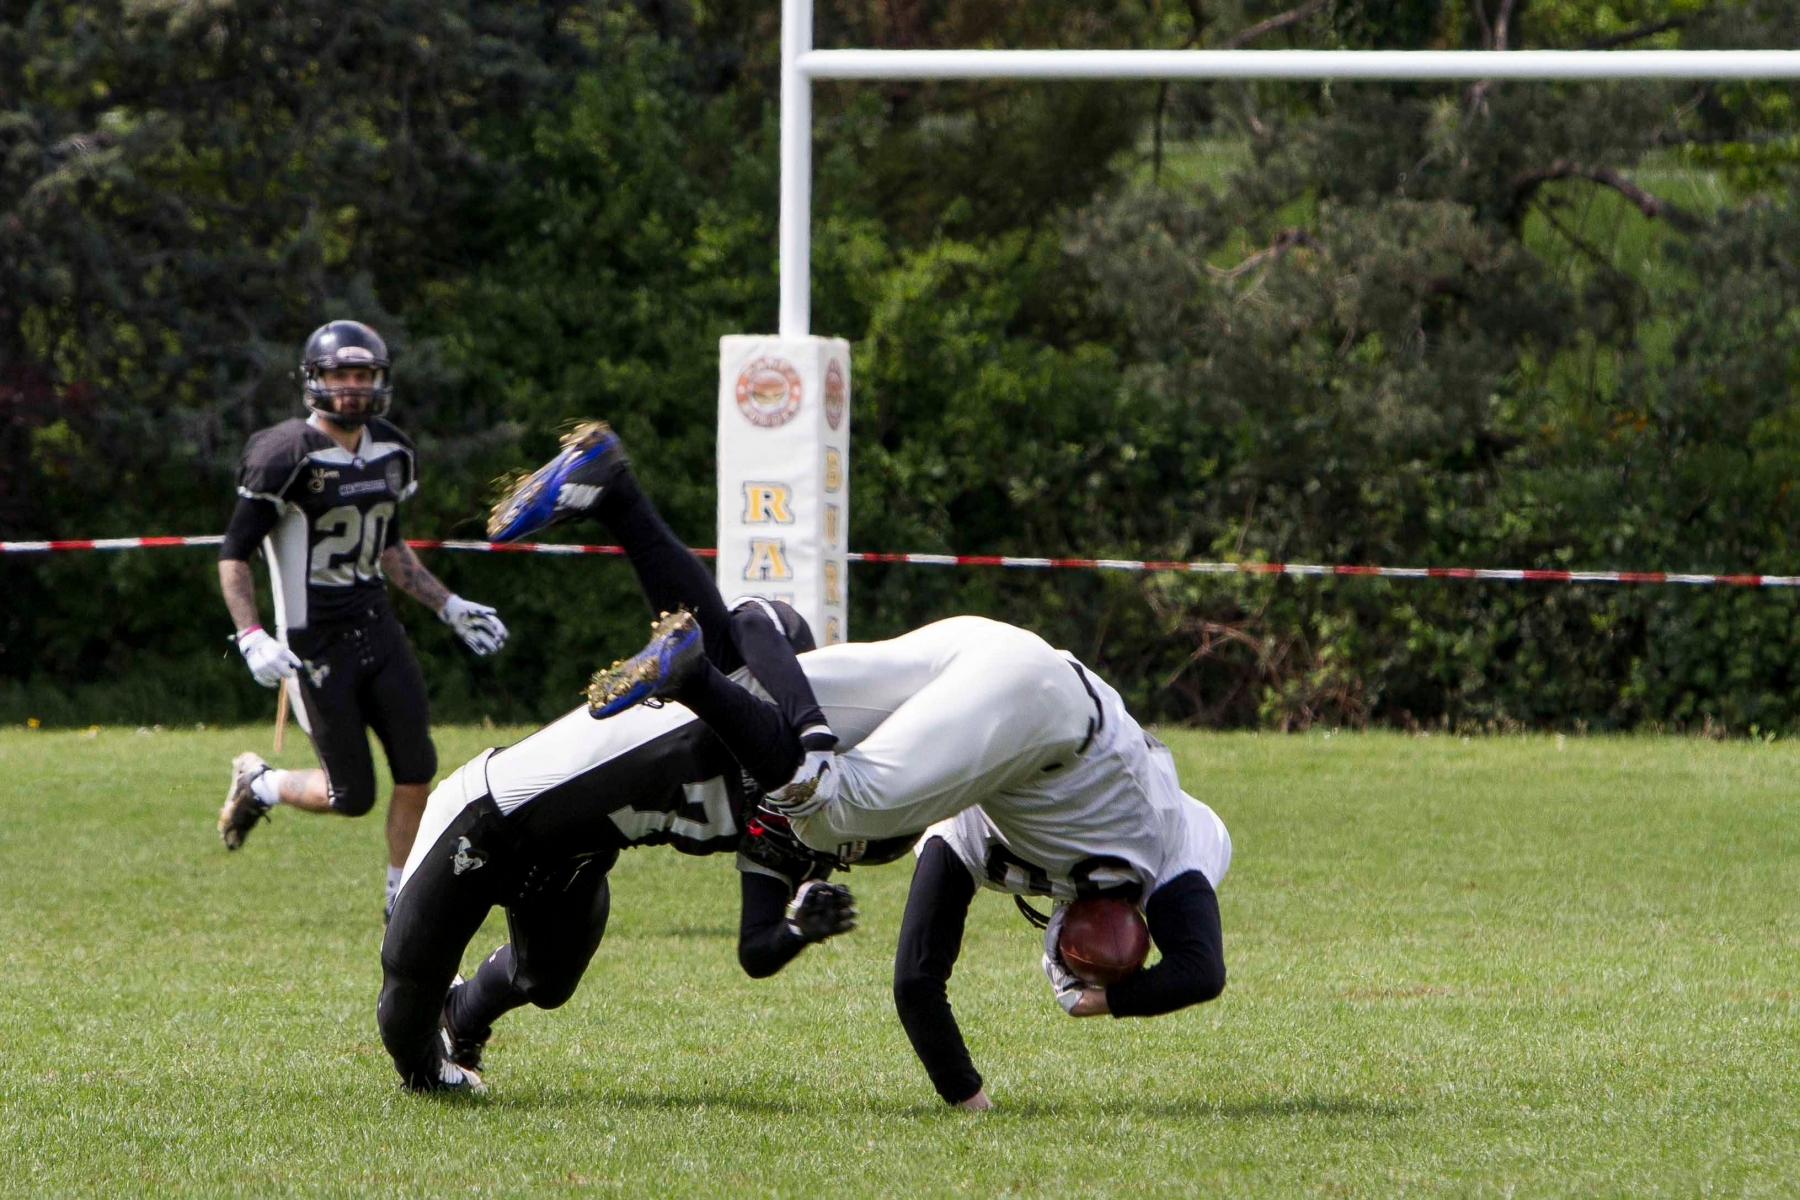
x=1501, y=324
x=185, y=191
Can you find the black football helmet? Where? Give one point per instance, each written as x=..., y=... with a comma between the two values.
x=345, y=344
x=769, y=842
x=793, y=626
x=799, y=633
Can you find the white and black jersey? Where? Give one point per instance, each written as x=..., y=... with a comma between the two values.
x=647, y=777
x=537, y=826
x=324, y=515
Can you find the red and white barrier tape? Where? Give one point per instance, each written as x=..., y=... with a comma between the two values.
x=137, y=543
x=1525, y=575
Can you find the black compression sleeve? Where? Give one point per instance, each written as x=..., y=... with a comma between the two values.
x=765, y=943
x=251, y=522
x=931, y=935
x=1183, y=915
x=667, y=570
x=770, y=657
x=751, y=728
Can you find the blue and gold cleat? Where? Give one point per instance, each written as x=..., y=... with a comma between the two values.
x=671, y=657
x=591, y=458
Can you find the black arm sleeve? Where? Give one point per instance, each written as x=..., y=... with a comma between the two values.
x=393, y=531
x=930, y=939
x=770, y=657
x=1183, y=915
x=251, y=522
x=765, y=943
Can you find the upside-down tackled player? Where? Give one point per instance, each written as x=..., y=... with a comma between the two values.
x=1022, y=768
x=1025, y=773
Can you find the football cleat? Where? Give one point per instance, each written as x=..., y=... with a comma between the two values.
x=452, y=1078
x=667, y=661
x=462, y=1049
x=591, y=458
x=242, y=810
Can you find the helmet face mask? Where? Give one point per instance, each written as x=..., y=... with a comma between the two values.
x=348, y=393
x=346, y=361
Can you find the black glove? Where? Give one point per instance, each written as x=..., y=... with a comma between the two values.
x=820, y=910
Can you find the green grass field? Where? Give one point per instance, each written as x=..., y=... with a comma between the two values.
x=1500, y=967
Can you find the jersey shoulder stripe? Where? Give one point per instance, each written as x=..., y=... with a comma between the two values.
x=667, y=782
x=576, y=747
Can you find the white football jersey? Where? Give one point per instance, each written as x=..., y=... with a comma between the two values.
x=1073, y=795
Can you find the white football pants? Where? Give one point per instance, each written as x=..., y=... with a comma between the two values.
x=940, y=719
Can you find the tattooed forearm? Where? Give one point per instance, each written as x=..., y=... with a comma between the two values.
x=239, y=586
x=410, y=576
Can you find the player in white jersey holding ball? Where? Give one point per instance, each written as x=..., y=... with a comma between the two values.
x=1075, y=800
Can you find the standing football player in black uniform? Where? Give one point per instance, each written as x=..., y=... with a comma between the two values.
x=322, y=496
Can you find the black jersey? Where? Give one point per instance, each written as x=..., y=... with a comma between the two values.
x=324, y=514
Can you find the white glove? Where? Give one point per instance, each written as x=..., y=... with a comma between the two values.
x=813, y=786
x=270, y=661
x=476, y=624
x=1067, y=987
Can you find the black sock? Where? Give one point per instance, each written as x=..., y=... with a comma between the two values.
x=751, y=728
x=490, y=995
x=668, y=572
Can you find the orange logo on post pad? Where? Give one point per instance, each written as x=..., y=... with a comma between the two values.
x=768, y=392
x=834, y=394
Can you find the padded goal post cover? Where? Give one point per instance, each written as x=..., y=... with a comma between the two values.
x=784, y=475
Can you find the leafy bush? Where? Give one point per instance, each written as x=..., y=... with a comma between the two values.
x=1497, y=325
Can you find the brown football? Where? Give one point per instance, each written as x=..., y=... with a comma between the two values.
x=1103, y=941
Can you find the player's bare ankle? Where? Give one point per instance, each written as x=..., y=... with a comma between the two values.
x=979, y=1102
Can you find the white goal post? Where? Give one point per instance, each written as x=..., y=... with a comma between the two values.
x=784, y=420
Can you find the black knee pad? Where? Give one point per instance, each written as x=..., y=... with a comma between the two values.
x=352, y=801
x=546, y=995
x=417, y=763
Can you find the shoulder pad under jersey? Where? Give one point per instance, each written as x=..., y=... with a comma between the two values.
x=384, y=436
x=273, y=457
x=383, y=430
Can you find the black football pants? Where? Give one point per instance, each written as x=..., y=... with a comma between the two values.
x=555, y=919
x=361, y=675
